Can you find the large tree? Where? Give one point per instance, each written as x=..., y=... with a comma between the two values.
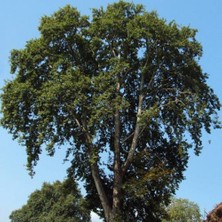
x=124, y=93
x=57, y=202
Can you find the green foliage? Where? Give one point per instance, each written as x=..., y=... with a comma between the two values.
x=183, y=210
x=125, y=86
x=58, y=202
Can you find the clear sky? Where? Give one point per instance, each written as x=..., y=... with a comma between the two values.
x=19, y=20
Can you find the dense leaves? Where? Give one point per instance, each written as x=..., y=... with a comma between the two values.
x=123, y=92
x=183, y=210
x=58, y=202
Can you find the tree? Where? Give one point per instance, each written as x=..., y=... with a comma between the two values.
x=59, y=202
x=183, y=210
x=215, y=215
x=124, y=93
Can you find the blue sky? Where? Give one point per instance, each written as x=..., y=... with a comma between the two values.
x=19, y=21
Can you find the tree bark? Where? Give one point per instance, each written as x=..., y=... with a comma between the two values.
x=137, y=129
x=101, y=192
x=96, y=177
x=117, y=184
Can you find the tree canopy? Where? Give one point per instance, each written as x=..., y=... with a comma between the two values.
x=123, y=93
x=183, y=210
x=57, y=202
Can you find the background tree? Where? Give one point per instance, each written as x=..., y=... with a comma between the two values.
x=57, y=202
x=183, y=210
x=124, y=93
x=215, y=215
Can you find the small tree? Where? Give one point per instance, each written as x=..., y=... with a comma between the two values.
x=183, y=210
x=124, y=93
x=57, y=202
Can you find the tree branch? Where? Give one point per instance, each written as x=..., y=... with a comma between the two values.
x=117, y=185
x=95, y=171
x=137, y=129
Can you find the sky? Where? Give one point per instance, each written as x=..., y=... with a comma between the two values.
x=19, y=20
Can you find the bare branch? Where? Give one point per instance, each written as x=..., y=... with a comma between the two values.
x=137, y=129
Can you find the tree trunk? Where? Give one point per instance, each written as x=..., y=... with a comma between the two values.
x=117, y=183
x=97, y=180
x=101, y=192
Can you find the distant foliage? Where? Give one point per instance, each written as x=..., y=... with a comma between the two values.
x=57, y=202
x=183, y=210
